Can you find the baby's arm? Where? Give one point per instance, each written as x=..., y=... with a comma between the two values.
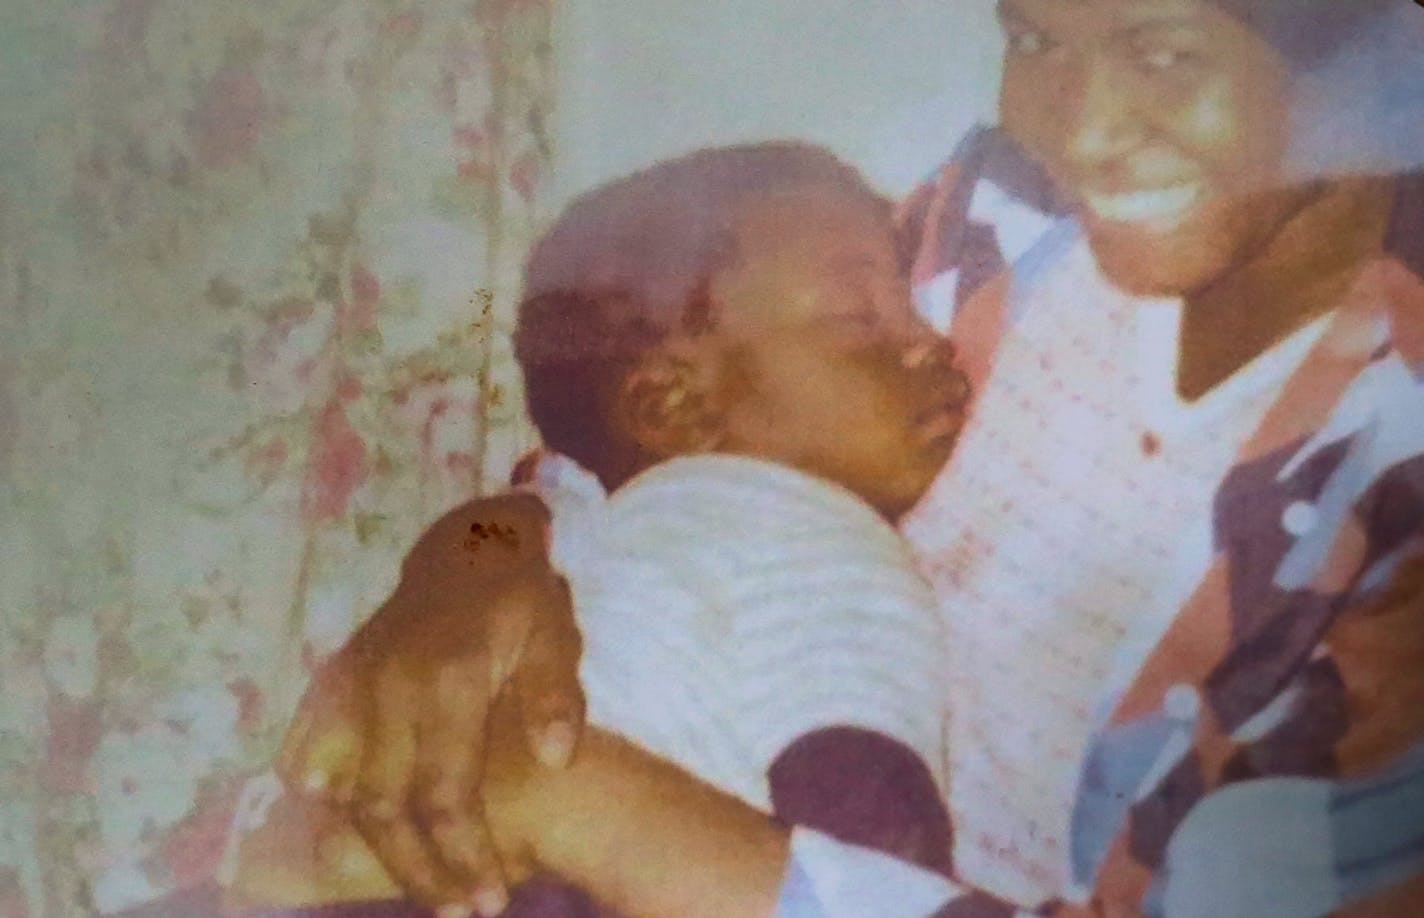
x=640, y=835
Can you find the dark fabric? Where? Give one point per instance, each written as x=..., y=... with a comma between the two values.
x=384, y=909
x=1404, y=238
x=864, y=788
x=1156, y=817
x=1246, y=520
x=1392, y=510
x=953, y=214
x=981, y=260
x=1303, y=745
x=1274, y=631
x=987, y=154
x=1307, y=31
x=1256, y=671
x=1004, y=162
x=976, y=905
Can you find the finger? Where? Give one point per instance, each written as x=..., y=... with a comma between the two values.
x=450, y=757
x=332, y=763
x=322, y=749
x=380, y=809
x=398, y=844
x=546, y=682
x=471, y=843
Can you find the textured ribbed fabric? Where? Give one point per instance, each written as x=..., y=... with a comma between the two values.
x=730, y=606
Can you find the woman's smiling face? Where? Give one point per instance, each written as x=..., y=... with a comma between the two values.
x=1167, y=123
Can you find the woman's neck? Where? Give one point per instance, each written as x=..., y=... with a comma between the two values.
x=1302, y=274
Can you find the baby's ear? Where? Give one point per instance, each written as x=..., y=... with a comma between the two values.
x=670, y=403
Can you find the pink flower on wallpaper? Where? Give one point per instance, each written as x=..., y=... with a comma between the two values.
x=277, y=334
x=470, y=136
x=228, y=120
x=473, y=171
x=250, y=704
x=335, y=469
x=12, y=894
x=126, y=25
x=434, y=414
x=360, y=316
x=463, y=464
x=405, y=23
x=267, y=462
x=147, y=719
x=524, y=175
x=74, y=731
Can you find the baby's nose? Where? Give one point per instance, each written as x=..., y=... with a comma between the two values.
x=927, y=350
x=932, y=362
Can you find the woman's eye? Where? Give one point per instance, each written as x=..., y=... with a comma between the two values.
x=1027, y=42
x=1162, y=60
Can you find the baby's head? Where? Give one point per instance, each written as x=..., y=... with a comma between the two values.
x=744, y=300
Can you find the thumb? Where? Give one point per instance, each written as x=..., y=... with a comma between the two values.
x=332, y=759
x=321, y=752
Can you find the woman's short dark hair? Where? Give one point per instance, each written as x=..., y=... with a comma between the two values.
x=629, y=264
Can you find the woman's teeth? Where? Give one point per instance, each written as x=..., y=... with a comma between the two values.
x=1161, y=207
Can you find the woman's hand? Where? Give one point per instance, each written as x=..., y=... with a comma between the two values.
x=394, y=726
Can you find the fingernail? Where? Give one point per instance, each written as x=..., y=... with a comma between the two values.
x=556, y=744
x=490, y=902
x=453, y=911
x=316, y=781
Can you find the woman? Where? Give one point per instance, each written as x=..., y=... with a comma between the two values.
x=1212, y=459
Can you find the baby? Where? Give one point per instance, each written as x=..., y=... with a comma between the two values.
x=723, y=353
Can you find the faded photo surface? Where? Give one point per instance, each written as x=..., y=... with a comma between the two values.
x=794, y=458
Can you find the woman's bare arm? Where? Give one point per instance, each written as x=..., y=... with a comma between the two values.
x=633, y=831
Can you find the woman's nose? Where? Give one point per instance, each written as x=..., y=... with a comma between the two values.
x=1101, y=124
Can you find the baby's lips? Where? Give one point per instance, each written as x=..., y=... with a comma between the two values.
x=959, y=389
x=943, y=421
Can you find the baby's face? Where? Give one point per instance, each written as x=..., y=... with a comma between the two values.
x=830, y=369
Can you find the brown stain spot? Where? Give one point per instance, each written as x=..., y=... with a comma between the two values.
x=1151, y=444
x=483, y=324
x=480, y=533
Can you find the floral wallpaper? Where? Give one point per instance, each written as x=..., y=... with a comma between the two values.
x=257, y=263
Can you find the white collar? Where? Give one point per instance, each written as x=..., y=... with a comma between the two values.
x=1159, y=330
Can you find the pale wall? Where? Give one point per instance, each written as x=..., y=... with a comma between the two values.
x=643, y=79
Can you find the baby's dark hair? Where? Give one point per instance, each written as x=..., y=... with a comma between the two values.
x=630, y=264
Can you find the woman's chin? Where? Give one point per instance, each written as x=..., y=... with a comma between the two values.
x=1144, y=263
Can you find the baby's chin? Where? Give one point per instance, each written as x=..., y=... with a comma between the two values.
x=914, y=487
